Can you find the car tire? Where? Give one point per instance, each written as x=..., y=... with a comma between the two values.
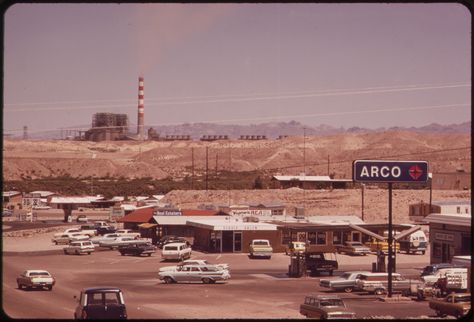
x=122, y=253
x=20, y=286
x=149, y=254
x=50, y=288
x=423, y=252
x=168, y=280
x=206, y=280
x=55, y=242
x=440, y=314
x=348, y=289
x=88, y=253
x=330, y=272
x=378, y=291
x=65, y=252
x=77, y=252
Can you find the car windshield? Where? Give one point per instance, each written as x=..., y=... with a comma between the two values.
x=356, y=244
x=331, y=302
x=39, y=274
x=260, y=242
x=345, y=275
x=462, y=298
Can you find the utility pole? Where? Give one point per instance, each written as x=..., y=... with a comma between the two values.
x=192, y=168
x=217, y=157
x=207, y=166
x=363, y=190
x=304, y=169
x=328, y=165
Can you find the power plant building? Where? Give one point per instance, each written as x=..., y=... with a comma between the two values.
x=108, y=127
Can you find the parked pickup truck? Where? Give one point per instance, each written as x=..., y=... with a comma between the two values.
x=89, y=230
x=260, y=248
x=346, y=282
x=100, y=303
x=317, y=262
x=35, y=278
x=455, y=304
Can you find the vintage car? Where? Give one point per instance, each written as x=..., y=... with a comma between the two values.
x=377, y=283
x=346, y=282
x=176, y=251
x=325, y=307
x=128, y=233
x=120, y=241
x=295, y=247
x=67, y=231
x=207, y=274
x=375, y=245
x=98, y=239
x=455, y=304
x=168, y=239
x=102, y=230
x=69, y=237
x=35, y=278
x=82, y=218
x=79, y=247
x=260, y=248
x=137, y=249
x=195, y=262
x=353, y=248
x=100, y=303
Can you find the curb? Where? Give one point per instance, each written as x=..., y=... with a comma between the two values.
x=34, y=253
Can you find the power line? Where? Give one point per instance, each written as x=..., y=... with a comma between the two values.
x=234, y=98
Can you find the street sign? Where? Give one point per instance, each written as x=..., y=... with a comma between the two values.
x=389, y=171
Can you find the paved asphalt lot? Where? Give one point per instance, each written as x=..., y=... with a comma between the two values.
x=258, y=288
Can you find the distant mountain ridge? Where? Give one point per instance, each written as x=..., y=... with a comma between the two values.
x=273, y=130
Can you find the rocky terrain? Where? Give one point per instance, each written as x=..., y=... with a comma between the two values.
x=291, y=155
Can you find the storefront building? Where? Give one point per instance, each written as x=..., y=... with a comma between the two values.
x=450, y=235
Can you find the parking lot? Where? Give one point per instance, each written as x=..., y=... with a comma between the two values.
x=258, y=288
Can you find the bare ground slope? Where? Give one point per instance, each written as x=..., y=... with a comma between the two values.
x=130, y=159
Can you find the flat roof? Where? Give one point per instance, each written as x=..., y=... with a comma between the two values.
x=449, y=219
x=176, y=220
x=335, y=220
x=451, y=202
x=73, y=199
x=310, y=178
x=230, y=224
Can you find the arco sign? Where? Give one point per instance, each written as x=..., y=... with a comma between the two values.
x=389, y=171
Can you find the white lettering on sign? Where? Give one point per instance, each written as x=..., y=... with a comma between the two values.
x=384, y=172
x=446, y=237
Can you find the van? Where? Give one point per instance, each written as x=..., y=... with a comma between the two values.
x=452, y=273
x=177, y=251
x=414, y=243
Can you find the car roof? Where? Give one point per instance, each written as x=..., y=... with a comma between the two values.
x=100, y=289
x=320, y=297
x=36, y=270
x=174, y=244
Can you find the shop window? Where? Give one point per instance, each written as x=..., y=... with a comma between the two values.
x=285, y=237
x=467, y=210
x=337, y=238
x=437, y=250
x=458, y=210
x=465, y=245
x=321, y=238
x=312, y=238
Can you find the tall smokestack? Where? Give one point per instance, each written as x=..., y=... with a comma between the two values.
x=141, y=110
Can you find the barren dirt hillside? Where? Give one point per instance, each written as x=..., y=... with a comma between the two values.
x=131, y=159
x=321, y=202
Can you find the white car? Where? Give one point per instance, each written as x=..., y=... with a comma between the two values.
x=98, y=239
x=67, y=231
x=195, y=262
x=206, y=274
x=118, y=241
x=79, y=247
x=128, y=233
x=177, y=251
x=69, y=237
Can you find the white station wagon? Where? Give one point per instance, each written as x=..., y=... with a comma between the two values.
x=207, y=274
x=177, y=251
x=79, y=247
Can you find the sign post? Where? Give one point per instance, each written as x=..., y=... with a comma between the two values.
x=389, y=171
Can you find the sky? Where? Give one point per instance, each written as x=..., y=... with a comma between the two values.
x=344, y=65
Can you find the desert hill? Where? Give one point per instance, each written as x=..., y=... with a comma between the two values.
x=160, y=159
